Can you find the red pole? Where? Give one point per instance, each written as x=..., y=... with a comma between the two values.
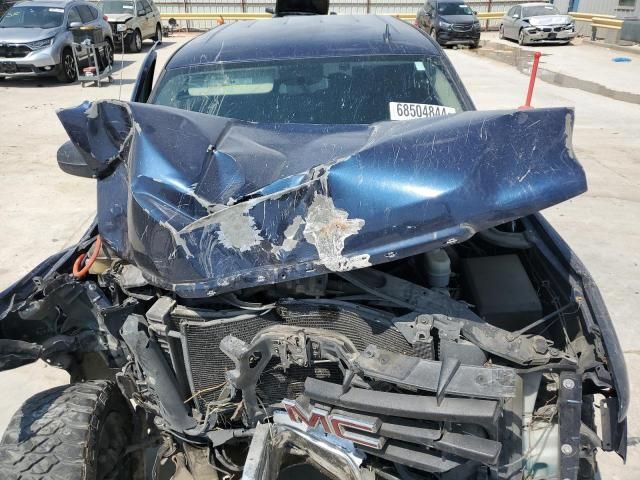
x=532, y=80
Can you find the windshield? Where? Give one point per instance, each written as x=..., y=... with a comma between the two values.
x=24, y=16
x=114, y=6
x=358, y=90
x=454, y=9
x=538, y=10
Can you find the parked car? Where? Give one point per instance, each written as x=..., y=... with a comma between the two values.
x=36, y=38
x=318, y=257
x=449, y=22
x=133, y=21
x=537, y=23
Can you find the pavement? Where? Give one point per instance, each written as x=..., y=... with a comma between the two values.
x=44, y=210
x=581, y=64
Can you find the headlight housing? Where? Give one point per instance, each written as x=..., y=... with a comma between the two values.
x=40, y=44
x=444, y=24
x=476, y=25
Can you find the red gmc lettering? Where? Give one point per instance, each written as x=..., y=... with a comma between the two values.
x=340, y=425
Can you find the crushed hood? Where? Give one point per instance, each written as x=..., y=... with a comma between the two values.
x=541, y=20
x=204, y=205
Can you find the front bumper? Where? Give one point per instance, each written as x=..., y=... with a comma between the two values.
x=451, y=37
x=549, y=34
x=36, y=63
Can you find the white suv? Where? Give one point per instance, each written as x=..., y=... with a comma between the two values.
x=132, y=21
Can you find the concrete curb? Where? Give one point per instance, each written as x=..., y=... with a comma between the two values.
x=620, y=48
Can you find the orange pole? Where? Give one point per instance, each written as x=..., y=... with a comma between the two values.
x=532, y=79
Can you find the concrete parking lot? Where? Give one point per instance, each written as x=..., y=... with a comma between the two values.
x=43, y=210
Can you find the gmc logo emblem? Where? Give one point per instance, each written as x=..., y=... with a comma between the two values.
x=339, y=425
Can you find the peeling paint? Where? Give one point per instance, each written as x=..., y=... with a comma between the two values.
x=290, y=234
x=237, y=229
x=327, y=228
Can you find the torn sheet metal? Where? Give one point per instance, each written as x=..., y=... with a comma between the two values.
x=204, y=204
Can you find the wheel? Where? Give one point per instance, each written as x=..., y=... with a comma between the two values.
x=106, y=56
x=135, y=42
x=110, y=52
x=74, y=432
x=501, y=32
x=67, y=72
x=522, y=38
x=158, y=36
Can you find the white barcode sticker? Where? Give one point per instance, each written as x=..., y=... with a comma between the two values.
x=411, y=111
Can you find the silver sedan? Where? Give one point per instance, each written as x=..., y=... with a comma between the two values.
x=537, y=23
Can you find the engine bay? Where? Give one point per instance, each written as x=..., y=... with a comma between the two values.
x=474, y=360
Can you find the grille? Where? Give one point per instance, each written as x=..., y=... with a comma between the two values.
x=207, y=364
x=14, y=51
x=461, y=27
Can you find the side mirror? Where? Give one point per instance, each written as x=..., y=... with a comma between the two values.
x=73, y=25
x=71, y=161
x=141, y=13
x=515, y=15
x=270, y=10
x=475, y=12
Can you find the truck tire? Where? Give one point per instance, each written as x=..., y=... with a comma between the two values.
x=74, y=432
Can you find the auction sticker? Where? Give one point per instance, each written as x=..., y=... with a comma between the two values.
x=410, y=111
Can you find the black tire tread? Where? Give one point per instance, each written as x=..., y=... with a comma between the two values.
x=53, y=434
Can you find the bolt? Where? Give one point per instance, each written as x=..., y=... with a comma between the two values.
x=540, y=345
x=566, y=449
x=568, y=383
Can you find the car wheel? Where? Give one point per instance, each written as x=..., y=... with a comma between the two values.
x=107, y=55
x=135, y=41
x=501, y=32
x=522, y=39
x=158, y=36
x=76, y=432
x=67, y=72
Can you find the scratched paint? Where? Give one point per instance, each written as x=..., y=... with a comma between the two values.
x=243, y=204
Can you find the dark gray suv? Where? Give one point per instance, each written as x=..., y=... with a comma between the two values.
x=449, y=22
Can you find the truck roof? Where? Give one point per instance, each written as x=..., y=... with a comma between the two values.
x=307, y=36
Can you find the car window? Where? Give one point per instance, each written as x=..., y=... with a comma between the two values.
x=147, y=7
x=94, y=12
x=511, y=11
x=25, y=16
x=116, y=6
x=320, y=91
x=454, y=9
x=516, y=11
x=74, y=16
x=538, y=10
x=139, y=8
x=85, y=13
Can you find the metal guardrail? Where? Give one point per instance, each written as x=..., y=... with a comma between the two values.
x=598, y=20
x=262, y=16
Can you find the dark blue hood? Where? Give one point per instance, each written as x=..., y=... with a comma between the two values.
x=205, y=205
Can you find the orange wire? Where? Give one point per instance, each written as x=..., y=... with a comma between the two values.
x=76, y=265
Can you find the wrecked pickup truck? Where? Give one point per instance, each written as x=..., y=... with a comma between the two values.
x=281, y=281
